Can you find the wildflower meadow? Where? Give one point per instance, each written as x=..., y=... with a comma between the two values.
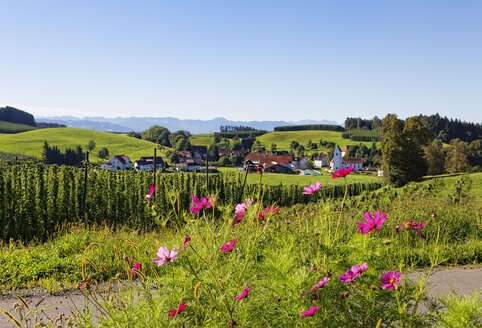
x=330, y=262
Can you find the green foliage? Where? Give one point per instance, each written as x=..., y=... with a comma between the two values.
x=157, y=134
x=326, y=127
x=457, y=159
x=90, y=145
x=363, y=135
x=14, y=115
x=103, y=153
x=461, y=311
x=403, y=157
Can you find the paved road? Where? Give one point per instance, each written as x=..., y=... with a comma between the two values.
x=442, y=282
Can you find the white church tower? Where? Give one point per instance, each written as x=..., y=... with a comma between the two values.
x=336, y=162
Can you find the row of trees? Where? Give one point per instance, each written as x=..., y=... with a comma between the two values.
x=14, y=115
x=158, y=134
x=231, y=128
x=53, y=155
x=410, y=151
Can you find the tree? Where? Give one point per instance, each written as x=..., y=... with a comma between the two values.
x=157, y=134
x=213, y=152
x=224, y=161
x=457, y=159
x=403, y=157
x=273, y=147
x=172, y=157
x=103, y=153
x=435, y=158
x=134, y=134
x=91, y=145
x=475, y=153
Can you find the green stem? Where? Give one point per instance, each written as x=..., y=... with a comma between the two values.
x=341, y=212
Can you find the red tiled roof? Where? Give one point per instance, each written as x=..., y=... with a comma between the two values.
x=269, y=160
x=352, y=160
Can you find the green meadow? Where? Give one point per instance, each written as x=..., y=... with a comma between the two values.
x=326, y=178
x=31, y=142
x=8, y=127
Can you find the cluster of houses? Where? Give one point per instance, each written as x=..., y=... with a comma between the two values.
x=279, y=162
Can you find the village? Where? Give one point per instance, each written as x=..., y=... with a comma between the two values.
x=254, y=162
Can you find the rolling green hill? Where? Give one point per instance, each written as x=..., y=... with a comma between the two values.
x=31, y=142
x=8, y=127
x=283, y=139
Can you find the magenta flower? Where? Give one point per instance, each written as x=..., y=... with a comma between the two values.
x=135, y=267
x=310, y=312
x=434, y=214
x=151, y=191
x=165, y=256
x=226, y=248
x=357, y=270
x=173, y=313
x=320, y=284
x=390, y=280
x=348, y=276
x=412, y=225
x=311, y=189
x=269, y=210
x=237, y=220
x=186, y=240
x=202, y=204
x=241, y=208
x=371, y=224
x=342, y=173
x=244, y=293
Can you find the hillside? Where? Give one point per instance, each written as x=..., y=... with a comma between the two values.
x=31, y=142
x=8, y=127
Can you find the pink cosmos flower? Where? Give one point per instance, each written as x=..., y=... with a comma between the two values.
x=412, y=225
x=348, y=276
x=202, y=204
x=311, y=189
x=244, y=293
x=135, y=267
x=342, y=173
x=310, y=312
x=226, y=248
x=269, y=210
x=390, y=279
x=151, y=191
x=165, y=256
x=237, y=220
x=173, y=313
x=434, y=214
x=241, y=208
x=186, y=240
x=357, y=270
x=371, y=224
x=320, y=284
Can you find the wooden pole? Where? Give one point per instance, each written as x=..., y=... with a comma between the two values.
x=207, y=172
x=155, y=169
x=86, y=168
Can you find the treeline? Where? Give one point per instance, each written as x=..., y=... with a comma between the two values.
x=362, y=135
x=53, y=155
x=47, y=125
x=14, y=115
x=36, y=199
x=231, y=128
x=372, y=157
x=241, y=134
x=441, y=128
x=326, y=127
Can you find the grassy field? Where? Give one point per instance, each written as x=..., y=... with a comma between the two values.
x=8, y=127
x=302, y=180
x=284, y=138
x=201, y=139
x=31, y=142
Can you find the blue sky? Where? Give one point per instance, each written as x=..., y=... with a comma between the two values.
x=242, y=60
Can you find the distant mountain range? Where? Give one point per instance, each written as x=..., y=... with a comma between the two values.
x=139, y=124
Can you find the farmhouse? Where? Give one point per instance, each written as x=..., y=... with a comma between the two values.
x=189, y=164
x=321, y=160
x=277, y=168
x=117, y=163
x=147, y=163
x=340, y=162
x=288, y=161
x=199, y=151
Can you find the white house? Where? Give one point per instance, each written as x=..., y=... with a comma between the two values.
x=321, y=161
x=299, y=163
x=339, y=162
x=117, y=163
x=147, y=163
